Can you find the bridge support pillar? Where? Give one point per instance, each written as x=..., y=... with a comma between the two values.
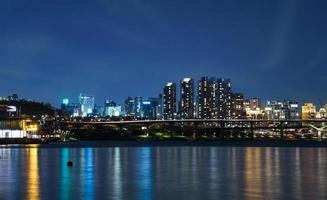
x=319, y=135
x=171, y=130
x=281, y=130
x=222, y=130
x=252, y=130
x=195, y=131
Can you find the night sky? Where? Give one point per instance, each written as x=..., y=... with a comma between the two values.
x=273, y=49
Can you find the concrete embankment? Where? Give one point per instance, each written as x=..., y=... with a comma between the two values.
x=21, y=141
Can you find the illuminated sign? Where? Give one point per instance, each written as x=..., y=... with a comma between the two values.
x=12, y=109
x=65, y=101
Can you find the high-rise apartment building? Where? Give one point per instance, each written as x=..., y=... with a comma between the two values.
x=207, y=88
x=224, y=99
x=169, y=101
x=186, y=103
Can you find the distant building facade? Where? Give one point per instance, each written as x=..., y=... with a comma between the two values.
x=253, y=109
x=285, y=109
x=238, y=111
x=112, y=109
x=138, y=107
x=309, y=111
x=129, y=106
x=150, y=108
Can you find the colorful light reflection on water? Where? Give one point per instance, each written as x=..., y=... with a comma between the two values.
x=163, y=173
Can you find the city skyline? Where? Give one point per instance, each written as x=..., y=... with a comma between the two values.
x=178, y=88
x=212, y=98
x=157, y=99
x=274, y=50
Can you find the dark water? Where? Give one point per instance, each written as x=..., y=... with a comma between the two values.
x=163, y=173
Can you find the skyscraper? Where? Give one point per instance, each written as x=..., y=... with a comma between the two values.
x=87, y=104
x=138, y=106
x=207, y=88
x=129, y=106
x=186, y=107
x=169, y=100
x=224, y=99
x=112, y=109
x=150, y=108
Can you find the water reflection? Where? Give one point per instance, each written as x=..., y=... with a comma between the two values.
x=164, y=173
x=117, y=181
x=144, y=173
x=65, y=175
x=87, y=179
x=33, y=184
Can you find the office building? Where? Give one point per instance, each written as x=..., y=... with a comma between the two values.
x=129, y=106
x=150, y=108
x=138, y=107
x=111, y=109
x=87, y=104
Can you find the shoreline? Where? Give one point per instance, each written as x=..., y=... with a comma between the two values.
x=172, y=143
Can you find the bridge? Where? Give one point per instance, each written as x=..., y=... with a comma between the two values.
x=220, y=128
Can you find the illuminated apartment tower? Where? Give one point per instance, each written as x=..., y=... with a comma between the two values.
x=186, y=104
x=169, y=101
x=207, y=88
x=224, y=99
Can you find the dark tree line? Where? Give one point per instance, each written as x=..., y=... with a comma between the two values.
x=29, y=108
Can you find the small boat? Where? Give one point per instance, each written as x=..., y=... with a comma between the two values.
x=71, y=139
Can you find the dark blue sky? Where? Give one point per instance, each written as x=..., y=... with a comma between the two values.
x=115, y=48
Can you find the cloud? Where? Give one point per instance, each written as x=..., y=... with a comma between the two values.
x=319, y=58
x=280, y=40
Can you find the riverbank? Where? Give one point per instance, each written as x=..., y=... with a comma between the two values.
x=21, y=141
x=103, y=144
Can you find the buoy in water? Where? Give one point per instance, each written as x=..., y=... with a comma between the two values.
x=70, y=163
